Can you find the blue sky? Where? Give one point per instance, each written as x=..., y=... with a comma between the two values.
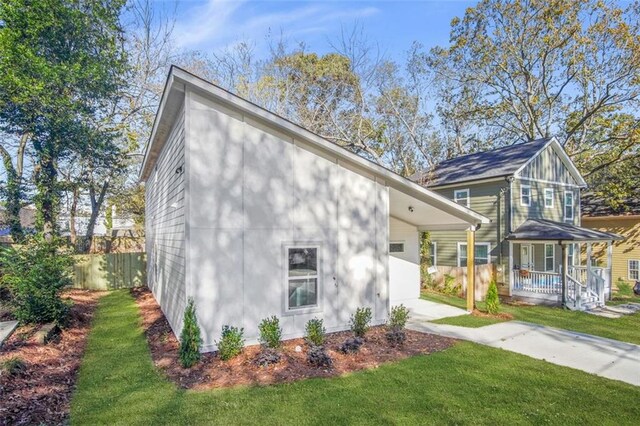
x=209, y=25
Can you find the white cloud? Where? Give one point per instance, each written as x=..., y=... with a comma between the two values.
x=217, y=23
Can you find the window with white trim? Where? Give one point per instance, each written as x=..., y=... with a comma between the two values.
x=433, y=253
x=549, y=257
x=482, y=254
x=548, y=198
x=302, y=276
x=634, y=269
x=461, y=196
x=525, y=195
x=396, y=247
x=571, y=254
x=568, y=205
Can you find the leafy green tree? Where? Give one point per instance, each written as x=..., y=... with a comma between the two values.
x=190, y=340
x=526, y=69
x=61, y=61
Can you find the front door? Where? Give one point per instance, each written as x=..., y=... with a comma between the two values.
x=526, y=256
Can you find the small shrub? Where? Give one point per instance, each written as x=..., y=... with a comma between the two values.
x=624, y=289
x=231, y=343
x=351, y=345
x=35, y=274
x=270, y=332
x=267, y=357
x=360, y=321
x=492, y=300
x=314, y=332
x=398, y=317
x=319, y=357
x=12, y=366
x=396, y=336
x=450, y=286
x=190, y=340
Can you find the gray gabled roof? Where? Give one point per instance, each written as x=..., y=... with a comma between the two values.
x=544, y=230
x=495, y=163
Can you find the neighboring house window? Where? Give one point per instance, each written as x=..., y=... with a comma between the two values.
x=461, y=196
x=549, y=257
x=433, y=253
x=634, y=270
x=396, y=247
x=548, y=198
x=568, y=205
x=302, y=277
x=525, y=195
x=481, y=254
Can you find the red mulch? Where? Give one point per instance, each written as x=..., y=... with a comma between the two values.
x=212, y=372
x=42, y=392
x=502, y=315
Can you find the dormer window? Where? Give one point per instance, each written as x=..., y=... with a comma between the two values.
x=461, y=196
x=525, y=195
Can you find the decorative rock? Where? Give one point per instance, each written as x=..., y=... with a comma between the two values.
x=298, y=348
x=46, y=333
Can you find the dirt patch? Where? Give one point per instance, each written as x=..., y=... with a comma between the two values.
x=501, y=316
x=211, y=372
x=41, y=393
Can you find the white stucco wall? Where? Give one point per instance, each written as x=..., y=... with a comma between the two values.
x=251, y=190
x=404, y=268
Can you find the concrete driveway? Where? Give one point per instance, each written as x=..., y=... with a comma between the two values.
x=597, y=355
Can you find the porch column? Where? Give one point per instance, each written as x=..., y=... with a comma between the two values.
x=609, y=272
x=510, y=267
x=589, y=270
x=471, y=268
x=565, y=266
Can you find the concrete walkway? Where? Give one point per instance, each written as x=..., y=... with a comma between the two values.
x=426, y=310
x=603, y=357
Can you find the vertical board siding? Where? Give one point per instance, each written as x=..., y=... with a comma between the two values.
x=109, y=271
x=548, y=166
x=165, y=226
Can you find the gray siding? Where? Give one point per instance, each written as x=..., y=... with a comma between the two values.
x=549, y=167
x=488, y=199
x=537, y=209
x=165, y=227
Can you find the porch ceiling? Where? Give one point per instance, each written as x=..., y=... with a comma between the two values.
x=547, y=230
x=428, y=215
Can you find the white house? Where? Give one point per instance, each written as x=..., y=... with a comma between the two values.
x=251, y=216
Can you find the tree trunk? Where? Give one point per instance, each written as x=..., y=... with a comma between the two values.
x=96, y=205
x=73, y=233
x=47, y=190
x=14, y=188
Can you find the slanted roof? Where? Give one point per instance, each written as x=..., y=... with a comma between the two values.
x=495, y=163
x=597, y=206
x=548, y=230
x=180, y=81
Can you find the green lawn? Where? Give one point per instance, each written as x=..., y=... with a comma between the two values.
x=466, y=384
x=626, y=329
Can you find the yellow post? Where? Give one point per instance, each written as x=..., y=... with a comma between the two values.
x=471, y=268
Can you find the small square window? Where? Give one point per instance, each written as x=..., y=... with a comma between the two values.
x=396, y=247
x=302, y=277
x=461, y=196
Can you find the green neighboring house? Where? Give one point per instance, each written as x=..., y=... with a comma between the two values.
x=531, y=192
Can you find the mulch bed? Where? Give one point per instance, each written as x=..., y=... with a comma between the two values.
x=501, y=316
x=212, y=372
x=41, y=393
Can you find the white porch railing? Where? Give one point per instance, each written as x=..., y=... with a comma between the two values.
x=537, y=282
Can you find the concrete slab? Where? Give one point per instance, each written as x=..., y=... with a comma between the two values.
x=426, y=310
x=6, y=328
x=597, y=355
x=633, y=307
x=605, y=313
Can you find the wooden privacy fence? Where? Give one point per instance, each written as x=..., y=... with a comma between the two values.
x=110, y=271
x=484, y=275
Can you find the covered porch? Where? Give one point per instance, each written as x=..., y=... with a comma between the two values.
x=552, y=262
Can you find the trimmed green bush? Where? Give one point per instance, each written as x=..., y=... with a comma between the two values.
x=231, y=343
x=492, y=300
x=360, y=321
x=398, y=317
x=314, y=332
x=35, y=274
x=270, y=332
x=190, y=340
